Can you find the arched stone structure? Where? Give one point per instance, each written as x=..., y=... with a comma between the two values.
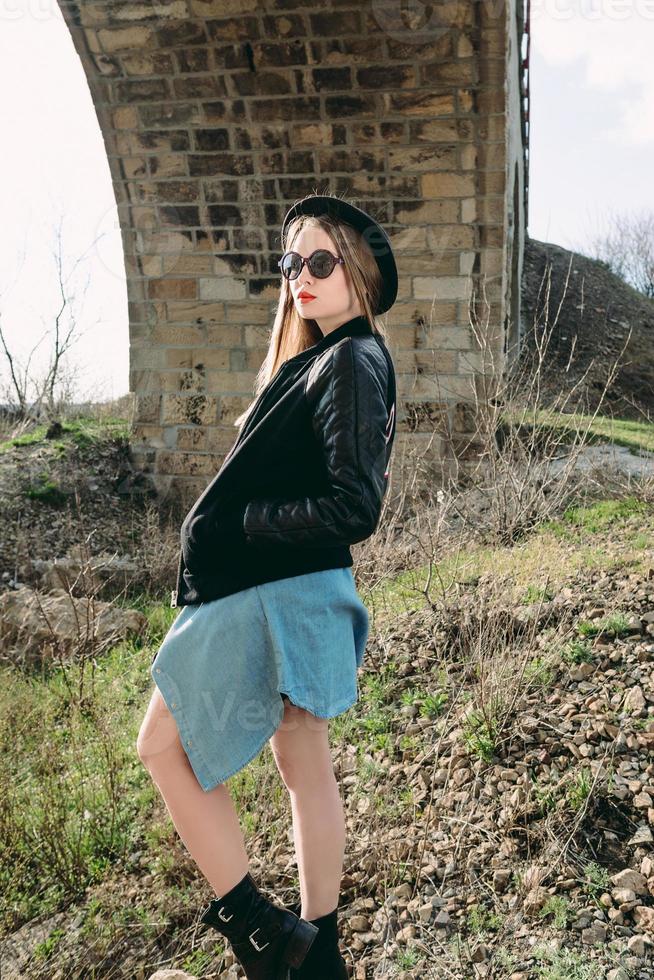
x=217, y=114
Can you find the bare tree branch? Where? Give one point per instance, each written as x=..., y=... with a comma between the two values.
x=65, y=331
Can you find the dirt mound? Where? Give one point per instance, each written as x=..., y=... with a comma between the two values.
x=597, y=311
x=56, y=494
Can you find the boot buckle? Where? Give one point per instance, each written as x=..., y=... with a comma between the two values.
x=254, y=942
x=224, y=918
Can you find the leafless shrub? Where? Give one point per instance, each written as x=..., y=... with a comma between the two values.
x=518, y=440
x=627, y=248
x=158, y=549
x=43, y=395
x=500, y=464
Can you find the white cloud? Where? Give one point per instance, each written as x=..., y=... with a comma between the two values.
x=612, y=39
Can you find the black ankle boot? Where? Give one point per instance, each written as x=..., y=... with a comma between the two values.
x=324, y=960
x=267, y=940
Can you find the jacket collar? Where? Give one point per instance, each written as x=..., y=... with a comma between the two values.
x=356, y=326
x=351, y=328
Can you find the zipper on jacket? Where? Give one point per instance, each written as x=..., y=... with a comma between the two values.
x=179, y=582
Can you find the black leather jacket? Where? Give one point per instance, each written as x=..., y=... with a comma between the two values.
x=306, y=476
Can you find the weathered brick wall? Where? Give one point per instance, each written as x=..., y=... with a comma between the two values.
x=217, y=114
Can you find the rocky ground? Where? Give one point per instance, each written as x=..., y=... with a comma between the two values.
x=500, y=819
x=77, y=493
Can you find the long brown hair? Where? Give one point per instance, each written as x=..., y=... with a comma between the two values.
x=292, y=333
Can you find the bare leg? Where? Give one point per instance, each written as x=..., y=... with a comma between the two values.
x=301, y=750
x=207, y=822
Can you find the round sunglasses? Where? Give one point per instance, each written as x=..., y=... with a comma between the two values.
x=320, y=263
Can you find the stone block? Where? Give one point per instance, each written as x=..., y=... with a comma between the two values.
x=141, y=90
x=427, y=262
x=346, y=106
x=221, y=288
x=193, y=440
x=419, y=103
x=424, y=416
x=149, y=435
x=336, y=78
x=423, y=158
x=423, y=361
x=169, y=115
x=145, y=63
x=448, y=184
x=236, y=382
x=146, y=357
x=426, y=212
x=313, y=134
x=407, y=44
x=225, y=335
x=190, y=381
x=446, y=74
x=173, y=288
x=125, y=117
x=434, y=131
x=444, y=287
x=231, y=406
x=449, y=337
x=386, y=76
x=145, y=381
x=124, y=38
x=468, y=210
x=171, y=333
x=147, y=408
x=220, y=438
x=191, y=464
x=335, y=23
x=189, y=409
x=222, y=8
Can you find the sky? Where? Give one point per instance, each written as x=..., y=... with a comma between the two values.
x=591, y=141
x=591, y=149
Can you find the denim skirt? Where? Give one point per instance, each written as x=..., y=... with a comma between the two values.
x=224, y=665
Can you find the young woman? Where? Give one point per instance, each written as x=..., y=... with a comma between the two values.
x=272, y=629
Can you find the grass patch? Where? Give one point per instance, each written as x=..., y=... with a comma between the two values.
x=616, y=625
x=635, y=436
x=74, y=796
x=598, y=516
x=559, y=907
x=536, y=593
x=480, y=735
x=83, y=432
x=544, y=555
x=481, y=920
x=565, y=964
x=43, y=489
x=576, y=652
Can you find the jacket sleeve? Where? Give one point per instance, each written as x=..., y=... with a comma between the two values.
x=350, y=420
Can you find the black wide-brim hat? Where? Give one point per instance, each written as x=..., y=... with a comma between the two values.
x=371, y=230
